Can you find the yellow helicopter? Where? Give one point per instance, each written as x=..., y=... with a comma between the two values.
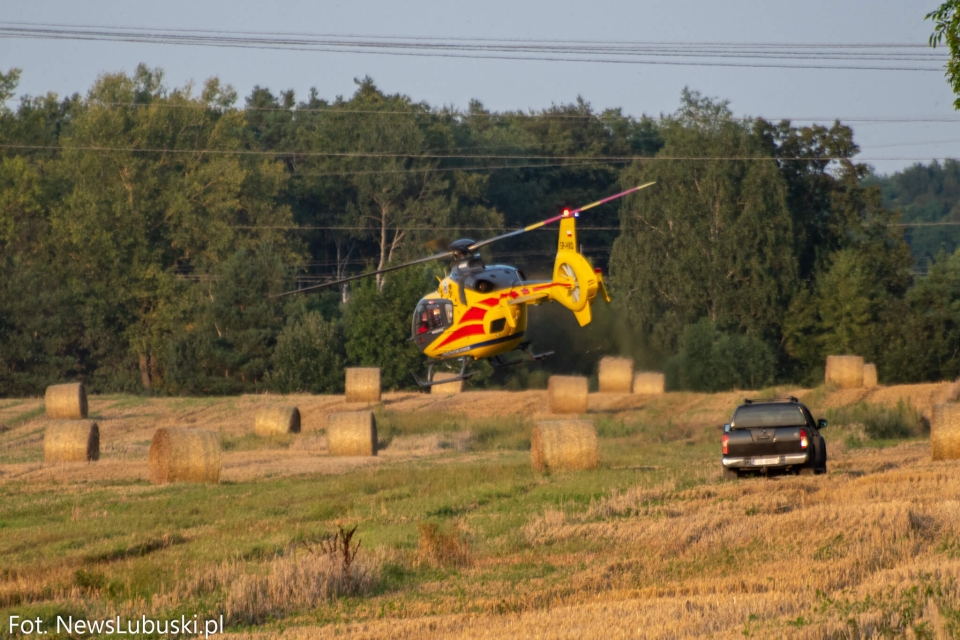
x=480, y=311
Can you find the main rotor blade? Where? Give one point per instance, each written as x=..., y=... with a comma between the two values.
x=438, y=256
x=565, y=214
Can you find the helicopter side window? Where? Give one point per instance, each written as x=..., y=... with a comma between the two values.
x=421, y=320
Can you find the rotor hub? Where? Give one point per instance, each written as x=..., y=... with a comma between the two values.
x=462, y=248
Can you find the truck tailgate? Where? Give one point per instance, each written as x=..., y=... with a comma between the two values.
x=760, y=441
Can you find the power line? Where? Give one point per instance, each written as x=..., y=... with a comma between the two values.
x=436, y=156
x=813, y=45
x=673, y=54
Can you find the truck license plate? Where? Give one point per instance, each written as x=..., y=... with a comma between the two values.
x=763, y=461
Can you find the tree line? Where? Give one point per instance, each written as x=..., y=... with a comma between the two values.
x=143, y=230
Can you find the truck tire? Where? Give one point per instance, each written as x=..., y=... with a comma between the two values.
x=822, y=467
x=818, y=460
x=730, y=474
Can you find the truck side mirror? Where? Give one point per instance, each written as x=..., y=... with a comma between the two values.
x=821, y=423
x=726, y=428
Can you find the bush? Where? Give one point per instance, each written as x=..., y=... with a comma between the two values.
x=711, y=360
x=308, y=357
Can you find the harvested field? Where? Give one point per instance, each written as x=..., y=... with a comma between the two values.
x=652, y=539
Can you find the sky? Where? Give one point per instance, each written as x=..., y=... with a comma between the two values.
x=68, y=66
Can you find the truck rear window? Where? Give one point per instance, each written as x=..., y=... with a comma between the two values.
x=770, y=415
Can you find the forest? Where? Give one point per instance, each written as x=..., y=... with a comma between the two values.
x=143, y=229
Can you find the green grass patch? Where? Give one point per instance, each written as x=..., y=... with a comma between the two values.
x=255, y=442
x=25, y=416
x=503, y=433
x=880, y=422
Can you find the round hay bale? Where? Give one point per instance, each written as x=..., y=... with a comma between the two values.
x=71, y=441
x=869, y=375
x=844, y=371
x=66, y=401
x=272, y=421
x=184, y=455
x=567, y=394
x=945, y=432
x=352, y=433
x=651, y=383
x=615, y=375
x=564, y=445
x=363, y=384
x=448, y=388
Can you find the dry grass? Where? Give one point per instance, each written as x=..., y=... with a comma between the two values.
x=653, y=540
x=862, y=553
x=442, y=548
x=300, y=579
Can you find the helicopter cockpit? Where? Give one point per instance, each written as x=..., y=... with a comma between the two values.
x=430, y=319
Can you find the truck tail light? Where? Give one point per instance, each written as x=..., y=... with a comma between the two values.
x=803, y=439
x=726, y=442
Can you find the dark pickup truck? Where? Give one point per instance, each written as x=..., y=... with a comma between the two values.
x=766, y=435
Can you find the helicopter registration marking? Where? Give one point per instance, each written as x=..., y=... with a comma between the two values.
x=566, y=246
x=453, y=352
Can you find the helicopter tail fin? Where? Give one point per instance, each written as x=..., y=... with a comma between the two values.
x=572, y=269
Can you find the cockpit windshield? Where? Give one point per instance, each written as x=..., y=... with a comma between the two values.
x=432, y=315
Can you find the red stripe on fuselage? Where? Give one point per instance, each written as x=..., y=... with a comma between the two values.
x=463, y=332
x=473, y=313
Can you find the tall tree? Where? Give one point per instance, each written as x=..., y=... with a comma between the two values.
x=713, y=239
x=155, y=200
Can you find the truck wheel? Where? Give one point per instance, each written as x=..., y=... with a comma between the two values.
x=730, y=474
x=812, y=466
x=822, y=467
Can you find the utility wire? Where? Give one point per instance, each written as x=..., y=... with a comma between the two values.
x=673, y=54
x=435, y=156
x=812, y=45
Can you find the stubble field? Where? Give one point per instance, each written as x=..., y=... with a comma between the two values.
x=459, y=537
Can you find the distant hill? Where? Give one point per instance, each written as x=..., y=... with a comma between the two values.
x=926, y=194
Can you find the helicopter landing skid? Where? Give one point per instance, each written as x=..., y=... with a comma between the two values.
x=498, y=361
x=429, y=382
